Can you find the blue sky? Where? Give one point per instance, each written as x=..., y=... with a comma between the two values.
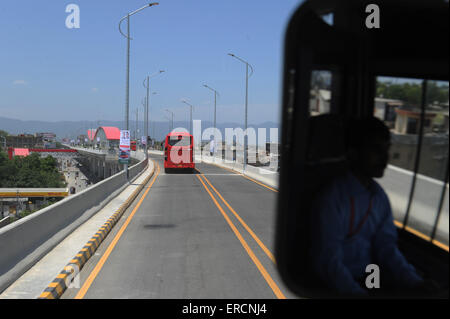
x=50, y=72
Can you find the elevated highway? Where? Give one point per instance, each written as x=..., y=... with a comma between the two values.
x=190, y=236
x=204, y=235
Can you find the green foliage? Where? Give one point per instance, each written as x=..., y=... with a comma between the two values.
x=31, y=171
x=411, y=93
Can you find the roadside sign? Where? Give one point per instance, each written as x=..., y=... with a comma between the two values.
x=124, y=147
x=143, y=140
x=124, y=140
x=124, y=156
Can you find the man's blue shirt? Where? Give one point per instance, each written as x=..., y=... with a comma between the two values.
x=339, y=260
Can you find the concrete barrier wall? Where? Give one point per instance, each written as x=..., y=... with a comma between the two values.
x=27, y=240
x=263, y=175
x=260, y=174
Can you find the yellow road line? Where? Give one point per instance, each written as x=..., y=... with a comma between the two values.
x=82, y=292
x=249, y=230
x=421, y=235
x=276, y=290
x=264, y=185
x=245, y=176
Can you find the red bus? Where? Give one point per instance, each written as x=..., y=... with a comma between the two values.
x=133, y=145
x=179, y=151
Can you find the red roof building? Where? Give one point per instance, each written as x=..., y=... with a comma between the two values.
x=91, y=133
x=107, y=137
x=21, y=152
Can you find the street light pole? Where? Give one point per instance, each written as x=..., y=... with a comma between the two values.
x=215, y=100
x=246, y=103
x=147, y=86
x=171, y=127
x=145, y=107
x=127, y=94
x=190, y=122
x=136, y=129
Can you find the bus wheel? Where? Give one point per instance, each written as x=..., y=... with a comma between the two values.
x=167, y=170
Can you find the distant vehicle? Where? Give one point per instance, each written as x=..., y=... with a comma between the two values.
x=179, y=151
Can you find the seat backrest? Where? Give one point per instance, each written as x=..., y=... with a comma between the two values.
x=326, y=149
x=325, y=160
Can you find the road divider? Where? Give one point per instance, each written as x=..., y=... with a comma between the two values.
x=259, y=175
x=62, y=281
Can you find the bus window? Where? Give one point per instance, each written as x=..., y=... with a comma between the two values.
x=416, y=199
x=391, y=102
x=180, y=140
x=431, y=184
x=320, y=95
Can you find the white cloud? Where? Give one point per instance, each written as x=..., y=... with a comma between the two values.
x=19, y=82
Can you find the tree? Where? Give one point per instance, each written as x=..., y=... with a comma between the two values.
x=411, y=93
x=30, y=171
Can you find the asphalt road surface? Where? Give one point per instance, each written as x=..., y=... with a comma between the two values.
x=209, y=234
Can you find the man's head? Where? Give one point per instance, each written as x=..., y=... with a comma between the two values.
x=368, y=142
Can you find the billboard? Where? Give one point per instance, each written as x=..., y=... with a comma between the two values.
x=124, y=147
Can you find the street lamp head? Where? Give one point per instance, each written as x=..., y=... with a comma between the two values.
x=153, y=4
x=230, y=54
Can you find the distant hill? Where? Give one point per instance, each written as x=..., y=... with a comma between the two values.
x=71, y=129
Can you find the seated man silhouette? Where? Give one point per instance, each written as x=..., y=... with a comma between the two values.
x=352, y=224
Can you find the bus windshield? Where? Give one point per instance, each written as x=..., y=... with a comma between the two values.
x=179, y=140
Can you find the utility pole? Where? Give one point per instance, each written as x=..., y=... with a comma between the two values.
x=190, y=121
x=127, y=95
x=147, y=107
x=171, y=126
x=215, y=104
x=247, y=65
